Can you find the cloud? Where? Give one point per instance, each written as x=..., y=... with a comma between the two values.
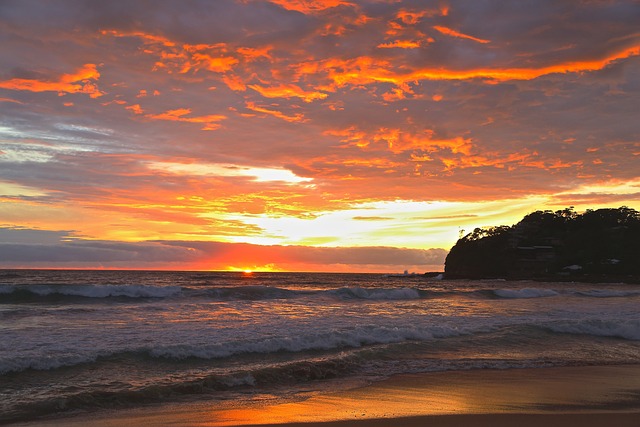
x=311, y=6
x=26, y=236
x=28, y=247
x=288, y=91
x=297, y=117
x=454, y=33
x=81, y=81
x=181, y=115
x=401, y=44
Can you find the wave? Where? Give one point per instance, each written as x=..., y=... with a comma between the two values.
x=398, y=294
x=129, y=394
x=28, y=293
x=17, y=293
x=525, y=293
x=47, y=292
x=257, y=292
x=346, y=338
x=376, y=293
x=260, y=292
x=608, y=293
x=349, y=338
x=628, y=329
x=241, y=381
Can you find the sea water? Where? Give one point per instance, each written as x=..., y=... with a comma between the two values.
x=81, y=341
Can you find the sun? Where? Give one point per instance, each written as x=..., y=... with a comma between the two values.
x=253, y=268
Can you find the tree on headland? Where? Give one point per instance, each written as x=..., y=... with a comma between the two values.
x=596, y=243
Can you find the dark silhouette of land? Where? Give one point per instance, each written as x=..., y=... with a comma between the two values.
x=597, y=245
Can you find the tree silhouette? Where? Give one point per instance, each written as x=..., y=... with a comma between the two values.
x=602, y=243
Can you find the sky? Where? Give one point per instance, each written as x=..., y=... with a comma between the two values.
x=305, y=135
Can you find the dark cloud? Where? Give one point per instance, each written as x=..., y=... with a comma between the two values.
x=246, y=253
x=24, y=247
x=25, y=236
x=190, y=21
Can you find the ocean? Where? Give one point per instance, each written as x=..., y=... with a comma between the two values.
x=83, y=341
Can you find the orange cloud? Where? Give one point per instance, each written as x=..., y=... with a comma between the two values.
x=401, y=44
x=361, y=71
x=396, y=94
x=15, y=101
x=351, y=136
x=452, y=153
x=234, y=83
x=149, y=37
x=394, y=28
x=82, y=81
x=509, y=161
x=288, y=91
x=399, y=141
x=178, y=115
x=506, y=74
x=412, y=18
x=252, y=54
x=310, y=6
x=454, y=33
x=187, y=57
x=295, y=118
x=365, y=70
x=135, y=108
x=210, y=57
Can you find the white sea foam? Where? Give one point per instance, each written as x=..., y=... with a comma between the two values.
x=525, y=293
x=44, y=363
x=295, y=342
x=239, y=381
x=351, y=338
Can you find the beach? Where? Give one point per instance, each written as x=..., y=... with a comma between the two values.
x=568, y=396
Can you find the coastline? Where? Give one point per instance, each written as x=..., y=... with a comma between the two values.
x=564, y=396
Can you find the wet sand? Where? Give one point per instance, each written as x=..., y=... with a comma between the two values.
x=571, y=396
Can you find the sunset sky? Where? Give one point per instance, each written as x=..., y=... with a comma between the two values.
x=308, y=135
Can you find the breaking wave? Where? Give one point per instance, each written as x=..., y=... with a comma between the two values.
x=628, y=329
x=44, y=293
x=27, y=292
x=347, y=338
x=130, y=394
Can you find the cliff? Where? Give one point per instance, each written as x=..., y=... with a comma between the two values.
x=597, y=244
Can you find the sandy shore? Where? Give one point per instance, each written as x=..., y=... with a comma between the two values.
x=584, y=396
